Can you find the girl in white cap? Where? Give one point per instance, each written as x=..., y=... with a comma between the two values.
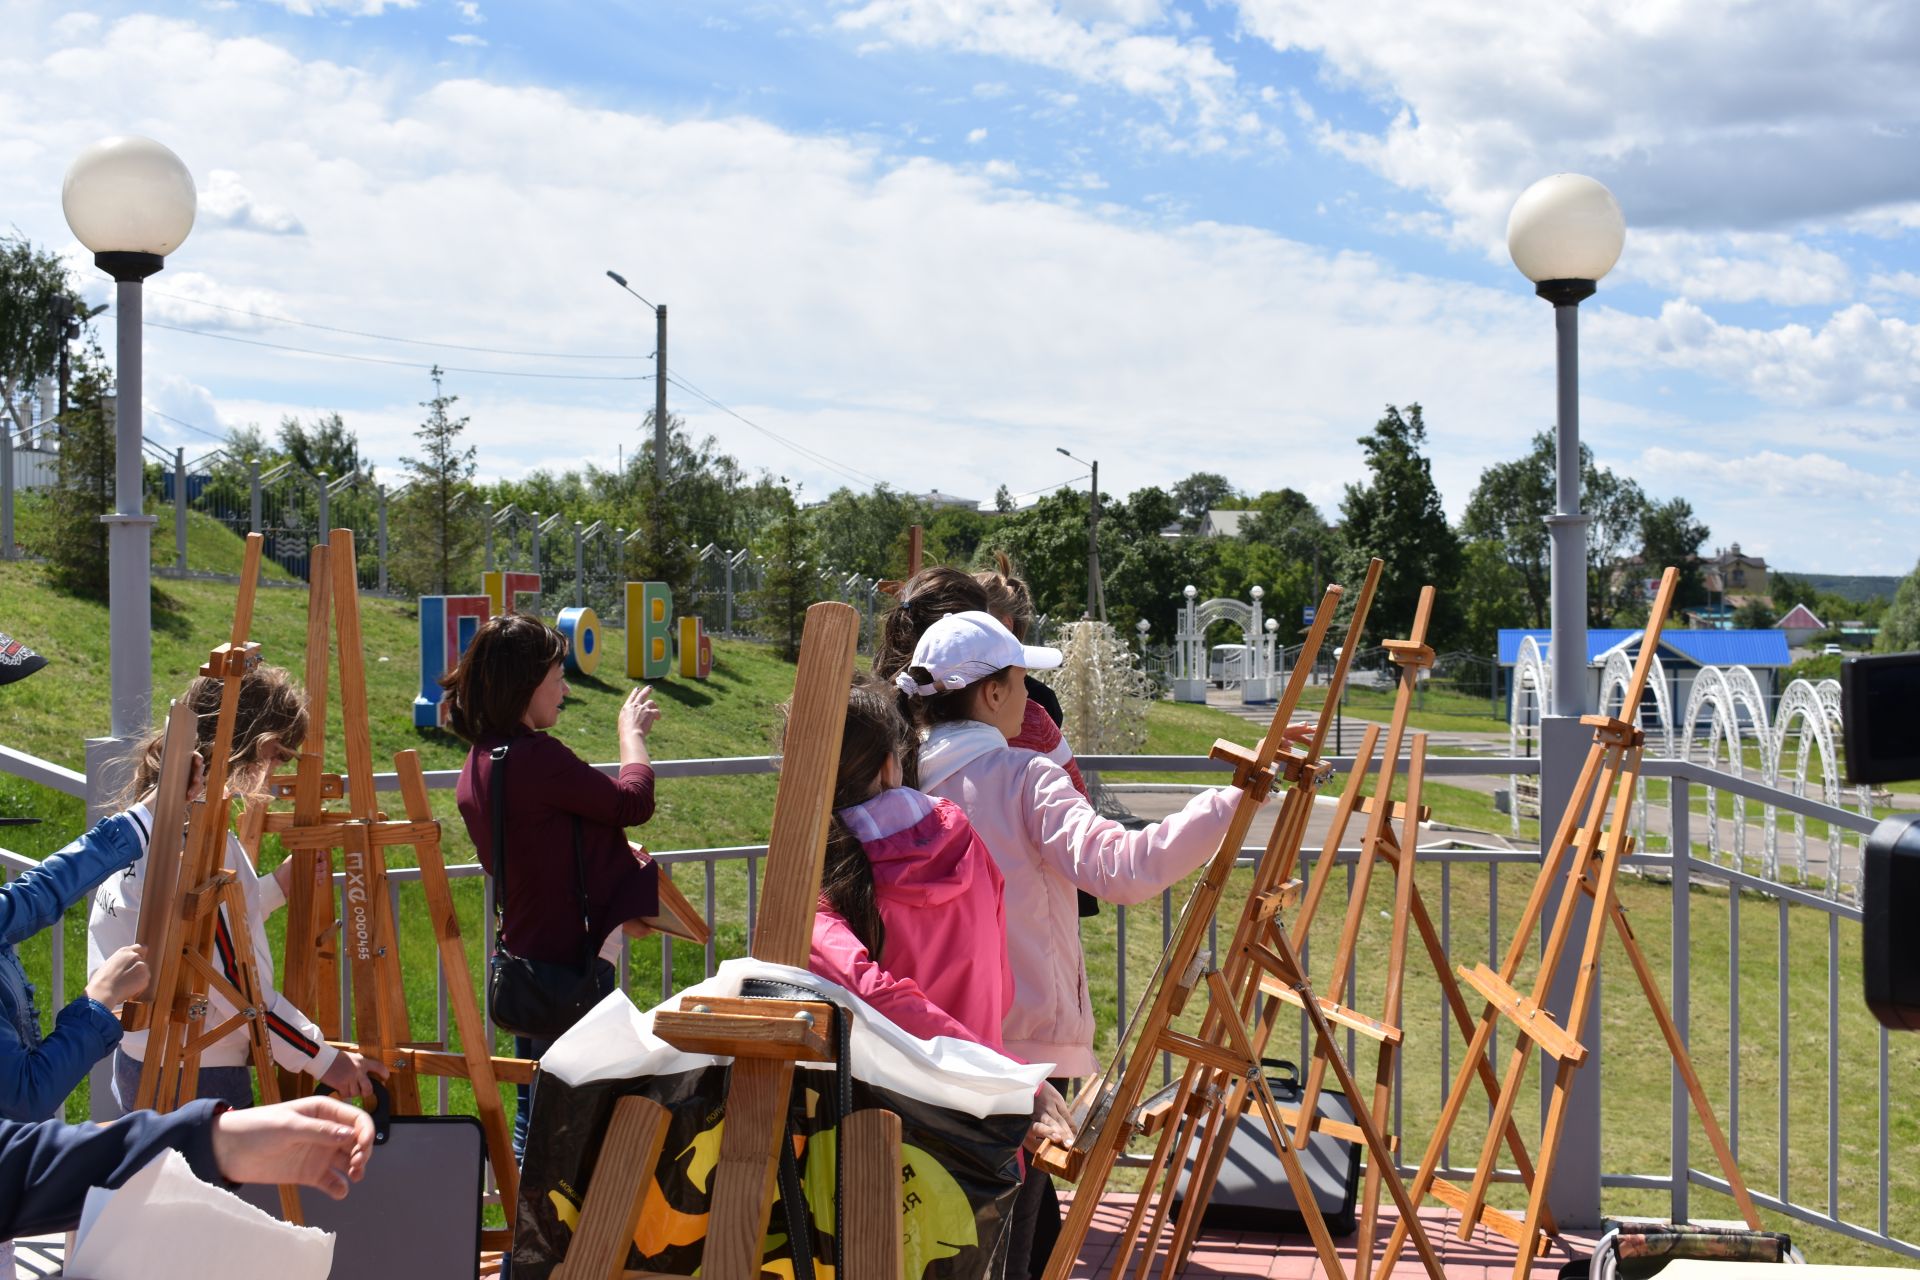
x=966, y=688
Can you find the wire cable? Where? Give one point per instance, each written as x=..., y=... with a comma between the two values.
x=398, y=364
x=844, y=469
x=1049, y=488
x=388, y=337
x=188, y=425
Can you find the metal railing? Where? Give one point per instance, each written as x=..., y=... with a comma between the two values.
x=1694, y=882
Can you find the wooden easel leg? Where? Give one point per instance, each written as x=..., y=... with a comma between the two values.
x=873, y=1248
x=1678, y=1048
x=610, y=1213
x=1159, y=1171
x=749, y=1161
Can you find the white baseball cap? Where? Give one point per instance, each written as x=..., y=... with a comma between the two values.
x=964, y=647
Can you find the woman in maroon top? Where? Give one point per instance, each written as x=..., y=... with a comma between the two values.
x=506, y=691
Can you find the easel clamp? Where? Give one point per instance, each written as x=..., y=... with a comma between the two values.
x=1409, y=653
x=776, y=1030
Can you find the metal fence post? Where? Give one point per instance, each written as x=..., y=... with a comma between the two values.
x=253, y=495
x=489, y=560
x=579, y=567
x=383, y=538
x=326, y=500
x=728, y=629
x=180, y=509
x=6, y=491
x=1574, y=1195
x=1680, y=842
x=536, y=542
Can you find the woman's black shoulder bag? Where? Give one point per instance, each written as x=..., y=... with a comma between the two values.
x=537, y=998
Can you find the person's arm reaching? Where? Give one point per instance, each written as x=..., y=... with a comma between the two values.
x=35, y=1081
x=1104, y=858
x=572, y=784
x=36, y=899
x=46, y=1169
x=838, y=956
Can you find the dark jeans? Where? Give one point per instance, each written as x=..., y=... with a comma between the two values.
x=523, y=1094
x=231, y=1085
x=1036, y=1217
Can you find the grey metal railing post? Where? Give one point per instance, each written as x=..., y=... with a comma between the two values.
x=1574, y=1194
x=253, y=495
x=1681, y=843
x=180, y=509
x=326, y=501
x=6, y=491
x=536, y=542
x=383, y=538
x=489, y=559
x=579, y=566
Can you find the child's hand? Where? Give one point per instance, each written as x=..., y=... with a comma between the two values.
x=351, y=1074
x=315, y=1142
x=120, y=977
x=1051, y=1121
x=1298, y=732
x=196, y=777
x=322, y=882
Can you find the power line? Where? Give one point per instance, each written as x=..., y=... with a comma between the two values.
x=1049, y=488
x=399, y=364
x=188, y=425
x=844, y=469
x=388, y=337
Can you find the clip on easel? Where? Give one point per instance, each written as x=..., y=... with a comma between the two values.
x=311, y=832
x=192, y=904
x=765, y=1038
x=1590, y=855
x=1222, y=1055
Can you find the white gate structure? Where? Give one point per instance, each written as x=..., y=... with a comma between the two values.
x=1192, y=673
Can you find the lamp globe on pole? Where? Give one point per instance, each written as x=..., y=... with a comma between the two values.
x=131, y=201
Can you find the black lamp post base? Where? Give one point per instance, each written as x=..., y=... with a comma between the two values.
x=129, y=268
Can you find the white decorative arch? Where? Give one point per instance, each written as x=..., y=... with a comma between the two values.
x=1531, y=694
x=1714, y=698
x=1747, y=696
x=1803, y=707
x=1615, y=679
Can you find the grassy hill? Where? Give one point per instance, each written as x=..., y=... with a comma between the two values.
x=735, y=713
x=1858, y=588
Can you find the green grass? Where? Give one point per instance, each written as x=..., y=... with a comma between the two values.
x=734, y=714
x=1438, y=710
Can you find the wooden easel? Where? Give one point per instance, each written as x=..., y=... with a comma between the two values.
x=1590, y=854
x=1222, y=1055
x=311, y=832
x=191, y=902
x=765, y=1038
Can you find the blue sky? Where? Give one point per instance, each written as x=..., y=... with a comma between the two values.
x=927, y=241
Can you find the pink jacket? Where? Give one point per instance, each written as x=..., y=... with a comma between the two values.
x=943, y=968
x=1048, y=842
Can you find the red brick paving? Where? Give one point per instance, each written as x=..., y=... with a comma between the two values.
x=1293, y=1257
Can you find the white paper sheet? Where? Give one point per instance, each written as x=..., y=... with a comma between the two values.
x=165, y=1224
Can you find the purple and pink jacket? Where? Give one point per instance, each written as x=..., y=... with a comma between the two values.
x=944, y=969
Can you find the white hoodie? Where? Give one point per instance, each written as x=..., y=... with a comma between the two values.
x=1048, y=841
x=297, y=1042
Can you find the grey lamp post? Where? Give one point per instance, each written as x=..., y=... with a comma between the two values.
x=1565, y=233
x=659, y=379
x=1096, y=590
x=131, y=201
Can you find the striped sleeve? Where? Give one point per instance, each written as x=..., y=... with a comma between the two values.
x=298, y=1044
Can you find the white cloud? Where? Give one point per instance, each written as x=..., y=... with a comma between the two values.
x=1709, y=115
x=469, y=11
x=1099, y=42
x=1737, y=267
x=1857, y=358
x=225, y=199
x=976, y=136
x=349, y=8
x=468, y=39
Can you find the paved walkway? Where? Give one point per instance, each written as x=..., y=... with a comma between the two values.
x=1485, y=1257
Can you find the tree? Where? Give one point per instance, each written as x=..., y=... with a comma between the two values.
x=76, y=539
x=1789, y=591
x=437, y=538
x=1002, y=500
x=1670, y=536
x=788, y=582
x=862, y=532
x=1615, y=508
x=1397, y=516
x=1201, y=492
x=1754, y=615
x=327, y=446
x=38, y=308
x=1491, y=596
x=1900, y=624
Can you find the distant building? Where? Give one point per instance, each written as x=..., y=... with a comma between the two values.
x=946, y=501
x=1800, y=624
x=1224, y=524
x=1736, y=577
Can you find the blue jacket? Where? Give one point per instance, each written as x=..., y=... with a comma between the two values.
x=36, y=1075
x=47, y=1168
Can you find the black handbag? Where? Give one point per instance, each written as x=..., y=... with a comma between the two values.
x=538, y=999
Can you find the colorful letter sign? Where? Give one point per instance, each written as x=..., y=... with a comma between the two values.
x=649, y=630
x=696, y=650
x=447, y=626
x=504, y=589
x=582, y=630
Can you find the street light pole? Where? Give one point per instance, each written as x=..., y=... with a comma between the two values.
x=132, y=202
x=659, y=380
x=1565, y=233
x=1096, y=590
